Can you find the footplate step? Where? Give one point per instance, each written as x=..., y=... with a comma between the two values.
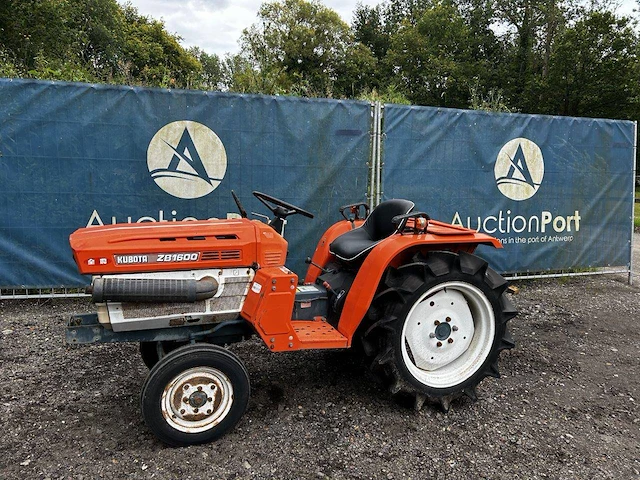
x=314, y=334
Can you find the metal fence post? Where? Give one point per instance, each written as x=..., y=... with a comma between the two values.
x=633, y=204
x=372, y=159
x=378, y=139
x=375, y=163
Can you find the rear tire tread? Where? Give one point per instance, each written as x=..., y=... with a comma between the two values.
x=386, y=321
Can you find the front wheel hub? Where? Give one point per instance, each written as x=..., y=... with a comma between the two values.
x=197, y=399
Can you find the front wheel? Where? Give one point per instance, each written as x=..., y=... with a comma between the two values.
x=195, y=395
x=437, y=326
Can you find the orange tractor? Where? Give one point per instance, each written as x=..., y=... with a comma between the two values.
x=428, y=315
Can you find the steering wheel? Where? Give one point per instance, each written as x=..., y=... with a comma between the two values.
x=243, y=212
x=281, y=209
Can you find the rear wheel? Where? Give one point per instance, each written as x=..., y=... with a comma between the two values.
x=437, y=325
x=195, y=395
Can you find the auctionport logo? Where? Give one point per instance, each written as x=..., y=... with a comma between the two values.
x=519, y=169
x=186, y=159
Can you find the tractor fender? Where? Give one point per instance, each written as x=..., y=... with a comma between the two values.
x=394, y=251
x=322, y=255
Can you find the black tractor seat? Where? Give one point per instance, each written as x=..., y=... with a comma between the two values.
x=357, y=243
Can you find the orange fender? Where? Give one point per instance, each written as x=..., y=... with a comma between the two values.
x=321, y=256
x=392, y=252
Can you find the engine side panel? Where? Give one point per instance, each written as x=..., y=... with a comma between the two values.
x=226, y=304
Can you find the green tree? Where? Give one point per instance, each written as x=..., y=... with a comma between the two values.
x=399, y=12
x=52, y=38
x=531, y=28
x=97, y=37
x=243, y=76
x=211, y=75
x=405, y=35
x=368, y=28
x=154, y=57
x=357, y=72
x=91, y=40
x=488, y=51
x=432, y=60
x=33, y=28
x=594, y=69
x=301, y=46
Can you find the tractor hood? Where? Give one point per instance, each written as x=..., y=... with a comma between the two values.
x=149, y=247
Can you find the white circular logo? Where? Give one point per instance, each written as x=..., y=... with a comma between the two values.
x=186, y=159
x=519, y=169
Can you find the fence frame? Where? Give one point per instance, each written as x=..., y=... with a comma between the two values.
x=629, y=270
x=375, y=164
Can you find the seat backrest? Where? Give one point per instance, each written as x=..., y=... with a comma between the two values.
x=378, y=224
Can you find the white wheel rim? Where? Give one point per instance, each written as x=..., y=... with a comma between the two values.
x=448, y=334
x=197, y=399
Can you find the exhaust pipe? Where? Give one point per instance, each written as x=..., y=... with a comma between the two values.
x=152, y=290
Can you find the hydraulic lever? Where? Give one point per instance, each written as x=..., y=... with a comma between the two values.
x=323, y=270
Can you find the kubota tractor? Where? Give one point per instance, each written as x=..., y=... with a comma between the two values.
x=428, y=314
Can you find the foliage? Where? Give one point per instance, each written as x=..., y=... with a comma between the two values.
x=636, y=218
x=368, y=28
x=492, y=101
x=564, y=57
x=8, y=67
x=301, y=47
x=432, y=58
x=388, y=95
x=211, y=74
x=93, y=41
x=594, y=68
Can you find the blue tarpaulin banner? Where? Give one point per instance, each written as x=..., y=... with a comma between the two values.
x=556, y=191
x=73, y=155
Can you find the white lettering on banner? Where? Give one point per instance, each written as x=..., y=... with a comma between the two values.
x=527, y=227
x=505, y=223
x=519, y=172
x=95, y=219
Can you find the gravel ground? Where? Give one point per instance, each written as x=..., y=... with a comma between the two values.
x=566, y=406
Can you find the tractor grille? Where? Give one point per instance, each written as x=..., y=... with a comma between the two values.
x=222, y=255
x=150, y=310
x=273, y=258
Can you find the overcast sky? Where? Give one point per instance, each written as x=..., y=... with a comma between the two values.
x=216, y=25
